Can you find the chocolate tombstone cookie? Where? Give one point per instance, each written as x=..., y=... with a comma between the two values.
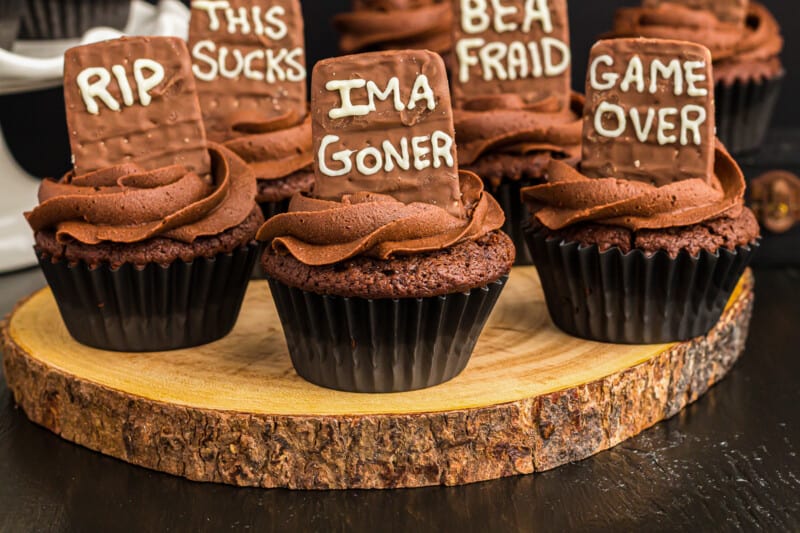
x=249, y=60
x=649, y=112
x=511, y=47
x=383, y=122
x=730, y=11
x=133, y=100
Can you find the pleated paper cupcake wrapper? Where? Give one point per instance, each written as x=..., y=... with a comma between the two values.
x=154, y=308
x=634, y=298
x=66, y=19
x=517, y=215
x=382, y=345
x=744, y=113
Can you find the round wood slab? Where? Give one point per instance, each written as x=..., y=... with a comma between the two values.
x=235, y=412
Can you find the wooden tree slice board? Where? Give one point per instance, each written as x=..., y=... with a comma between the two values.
x=235, y=412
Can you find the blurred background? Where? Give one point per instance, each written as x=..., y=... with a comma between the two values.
x=35, y=128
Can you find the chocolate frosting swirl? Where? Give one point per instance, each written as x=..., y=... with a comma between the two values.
x=276, y=147
x=323, y=232
x=569, y=198
x=759, y=41
x=127, y=204
x=505, y=124
x=396, y=25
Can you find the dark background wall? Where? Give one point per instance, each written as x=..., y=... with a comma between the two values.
x=35, y=129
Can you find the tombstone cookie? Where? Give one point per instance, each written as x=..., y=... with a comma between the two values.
x=133, y=100
x=649, y=111
x=730, y=11
x=518, y=47
x=383, y=122
x=249, y=60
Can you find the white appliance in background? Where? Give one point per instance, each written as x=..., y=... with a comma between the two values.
x=35, y=65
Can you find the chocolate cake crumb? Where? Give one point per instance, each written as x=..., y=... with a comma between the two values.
x=157, y=250
x=284, y=188
x=465, y=266
x=723, y=232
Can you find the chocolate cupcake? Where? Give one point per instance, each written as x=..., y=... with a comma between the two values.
x=385, y=276
x=255, y=108
x=510, y=124
x=67, y=19
x=375, y=25
x=647, y=239
x=9, y=22
x=745, y=43
x=148, y=244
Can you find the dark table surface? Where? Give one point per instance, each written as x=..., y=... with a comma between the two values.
x=728, y=462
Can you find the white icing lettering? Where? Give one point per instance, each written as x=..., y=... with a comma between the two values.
x=402, y=158
x=248, y=70
x=224, y=71
x=642, y=132
x=124, y=85
x=474, y=18
x=692, y=125
x=96, y=89
x=609, y=78
x=664, y=126
x=361, y=161
x=347, y=109
x=276, y=29
x=421, y=162
x=238, y=18
x=442, y=149
x=670, y=70
x=392, y=89
x=342, y=157
x=211, y=7
x=633, y=74
x=692, y=78
x=199, y=53
x=422, y=91
x=552, y=69
x=537, y=11
x=145, y=84
x=619, y=115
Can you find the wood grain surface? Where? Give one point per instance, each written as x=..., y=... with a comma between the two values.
x=235, y=412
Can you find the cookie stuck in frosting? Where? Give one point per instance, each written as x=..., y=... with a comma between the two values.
x=249, y=60
x=133, y=101
x=383, y=123
x=511, y=47
x=649, y=112
x=126, y=203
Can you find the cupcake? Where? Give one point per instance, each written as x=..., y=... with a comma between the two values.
x=646, y=240
x=375, y=25
x=9, y=22
x=385, y=276
x=256, y=107
x=68, y=19
x=148, y=243
x=745, y=43
x=511, y=123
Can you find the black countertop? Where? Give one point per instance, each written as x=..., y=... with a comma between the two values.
x=728, y=462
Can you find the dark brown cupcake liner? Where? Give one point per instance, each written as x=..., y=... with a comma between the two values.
x=635, y=298
x=154, y=308
x=517, y=215
x=66, y=19
x=744, y=112
x=270, y=209
x=382, y=345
